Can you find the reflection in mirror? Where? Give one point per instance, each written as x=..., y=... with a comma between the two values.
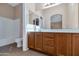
x=31, y=17
x=57, y=16
x=34, y=22
x=63, y=16
x=56, y=21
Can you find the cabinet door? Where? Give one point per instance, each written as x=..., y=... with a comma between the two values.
x=75, y=44
x=31, y=41
x=63, y=43
x=38, y=41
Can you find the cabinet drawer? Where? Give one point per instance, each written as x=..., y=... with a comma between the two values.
x=48, y=42
x=50, y=35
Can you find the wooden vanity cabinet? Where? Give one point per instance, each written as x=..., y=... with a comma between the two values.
x=65, y=44
x=31, y=40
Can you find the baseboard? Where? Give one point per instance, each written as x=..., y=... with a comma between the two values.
x=26, y=49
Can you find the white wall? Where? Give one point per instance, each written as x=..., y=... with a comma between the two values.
x=78, y=14
x=72, y=21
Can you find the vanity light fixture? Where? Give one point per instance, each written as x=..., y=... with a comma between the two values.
x=48, y=5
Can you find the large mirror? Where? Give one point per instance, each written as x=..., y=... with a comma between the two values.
x=62, y=16
x=54, y=16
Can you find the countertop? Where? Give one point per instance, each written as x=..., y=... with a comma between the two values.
x=61, y=30
x=57, y=30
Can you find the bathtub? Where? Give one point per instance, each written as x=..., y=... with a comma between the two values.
x=7, y=41
x=10, y=31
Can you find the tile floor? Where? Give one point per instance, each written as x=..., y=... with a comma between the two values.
x=11, y=50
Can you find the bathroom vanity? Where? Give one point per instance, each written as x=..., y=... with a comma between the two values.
x=55, y=31
x=55, y=42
